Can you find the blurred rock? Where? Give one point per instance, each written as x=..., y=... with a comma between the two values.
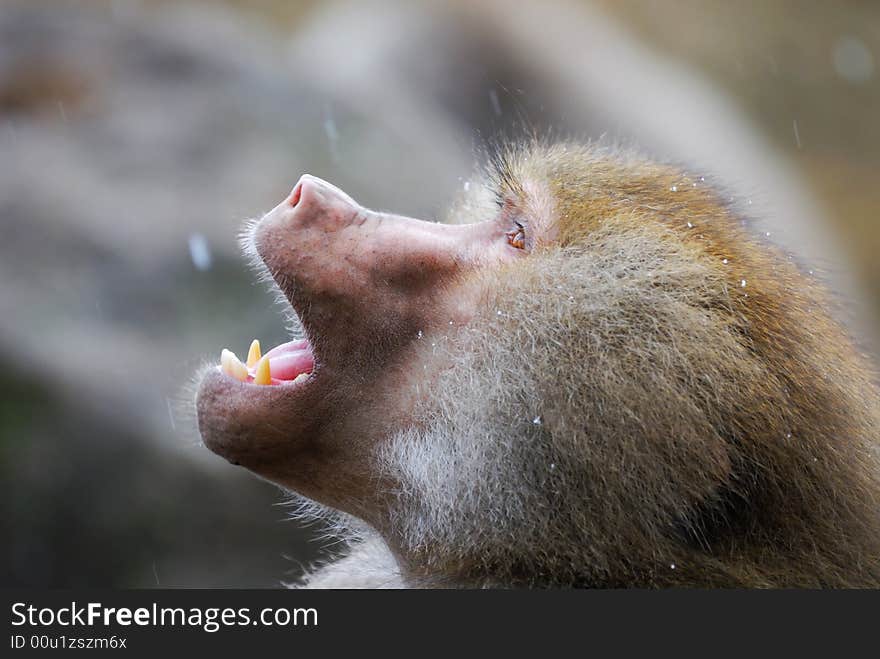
x=124, y=135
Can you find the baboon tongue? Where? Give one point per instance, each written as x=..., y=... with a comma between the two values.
x=289, y=347
x=287, y=365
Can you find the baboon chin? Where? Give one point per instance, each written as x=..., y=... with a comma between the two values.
x=591, y=376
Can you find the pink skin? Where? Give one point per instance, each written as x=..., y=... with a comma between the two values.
x=291, y=364
x=366, y=286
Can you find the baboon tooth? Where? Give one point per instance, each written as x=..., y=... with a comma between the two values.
x=254, y=353
x=263, y=374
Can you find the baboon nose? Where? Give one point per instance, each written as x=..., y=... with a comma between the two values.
x=312, y=194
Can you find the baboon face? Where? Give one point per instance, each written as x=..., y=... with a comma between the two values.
x=373, y=291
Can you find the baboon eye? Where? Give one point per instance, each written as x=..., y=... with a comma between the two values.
x=516, y=237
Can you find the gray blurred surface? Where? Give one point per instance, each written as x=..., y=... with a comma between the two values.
x=136, y=137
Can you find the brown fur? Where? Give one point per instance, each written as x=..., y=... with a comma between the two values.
x=656, y=398
x=634, y=391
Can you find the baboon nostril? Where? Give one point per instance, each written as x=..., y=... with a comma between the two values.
x=296, y=194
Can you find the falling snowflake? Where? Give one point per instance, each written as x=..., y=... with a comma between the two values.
x=199, y=251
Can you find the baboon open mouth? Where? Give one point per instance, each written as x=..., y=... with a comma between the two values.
x=291, y=363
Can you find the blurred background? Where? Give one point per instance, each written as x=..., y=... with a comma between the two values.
x=135, y=136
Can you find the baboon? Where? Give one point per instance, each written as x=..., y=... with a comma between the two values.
x=593, y=375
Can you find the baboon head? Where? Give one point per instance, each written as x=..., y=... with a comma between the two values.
x=591, y=375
